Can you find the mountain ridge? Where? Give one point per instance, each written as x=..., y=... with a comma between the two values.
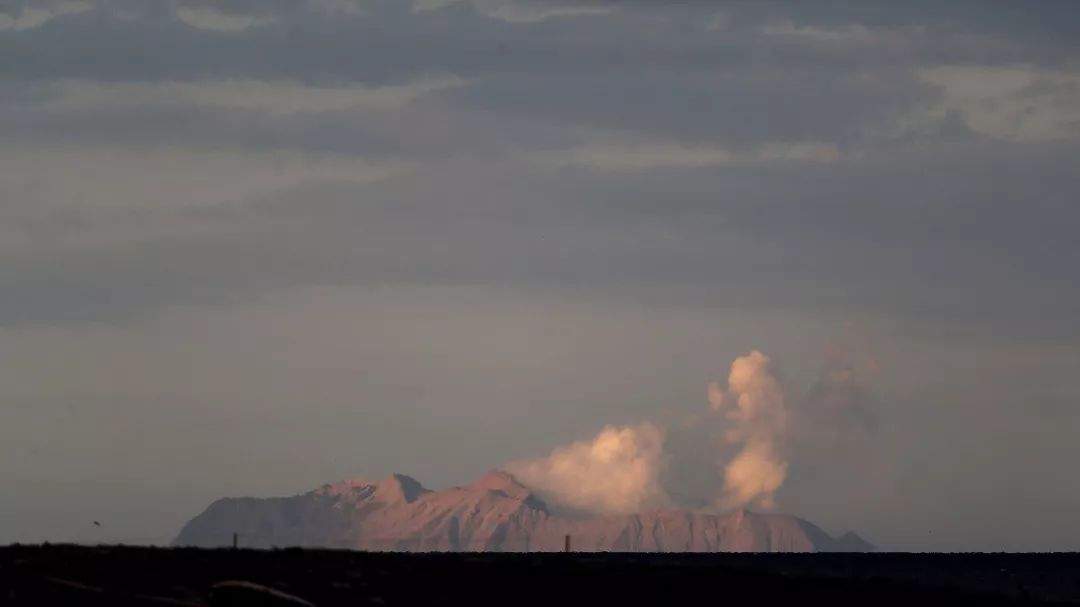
x=494, y=513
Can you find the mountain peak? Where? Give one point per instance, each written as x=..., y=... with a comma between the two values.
x=503, y=482
x=349, y=486
x=500, y=480
x=398, y=488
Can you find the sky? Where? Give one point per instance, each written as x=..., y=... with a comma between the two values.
x=248, y=247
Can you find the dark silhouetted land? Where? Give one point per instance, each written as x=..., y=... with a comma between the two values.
x=109, y=575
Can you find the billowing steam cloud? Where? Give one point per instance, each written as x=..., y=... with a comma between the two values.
x=617, y=472
x=737, y=456
x=754, y=403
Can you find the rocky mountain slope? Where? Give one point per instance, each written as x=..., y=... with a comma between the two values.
x=496, y=513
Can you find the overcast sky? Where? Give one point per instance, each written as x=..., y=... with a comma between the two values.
x=251, y=246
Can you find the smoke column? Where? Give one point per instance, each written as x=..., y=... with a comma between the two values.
x=755, y=406
x=737, y=454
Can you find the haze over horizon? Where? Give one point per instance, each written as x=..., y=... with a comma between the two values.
x=809, y=258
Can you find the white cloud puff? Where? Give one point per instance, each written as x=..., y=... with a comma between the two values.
x=617, y=472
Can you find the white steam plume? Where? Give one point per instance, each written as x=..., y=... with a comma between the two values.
x=628, y=469
x=754, y=403
x=617, y=472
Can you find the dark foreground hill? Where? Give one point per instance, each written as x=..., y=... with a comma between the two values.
x=494, y=514
x=74, y=575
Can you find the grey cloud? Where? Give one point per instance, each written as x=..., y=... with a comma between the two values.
x=733, y=104
x=19, y=15
x=781, y=243
x=412, y=120
x=841, y=403
x=390, y=42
